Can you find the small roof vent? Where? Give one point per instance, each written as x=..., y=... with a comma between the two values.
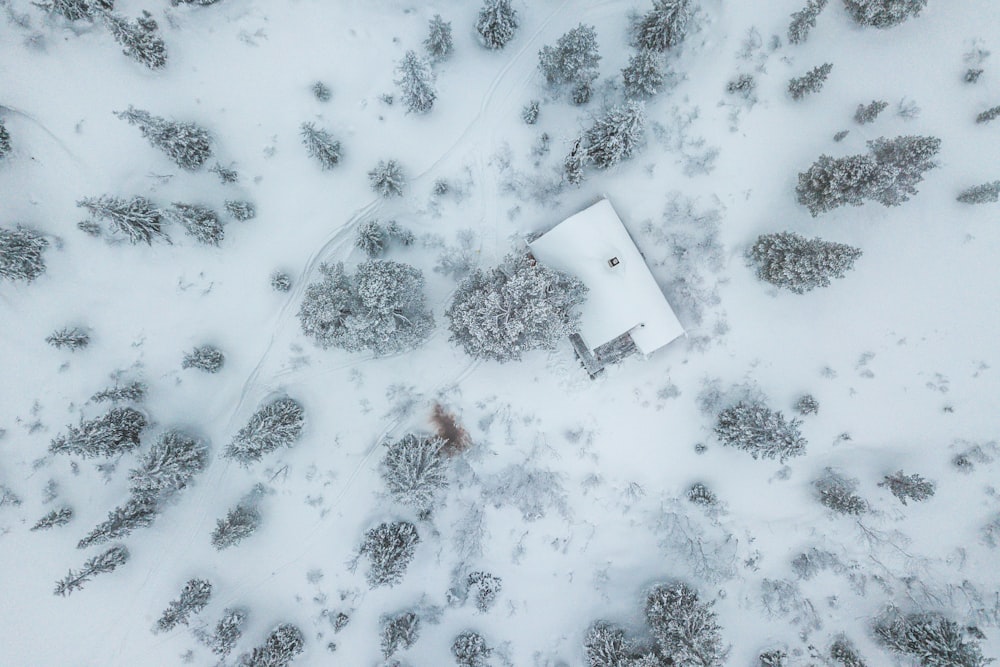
x=613, y=262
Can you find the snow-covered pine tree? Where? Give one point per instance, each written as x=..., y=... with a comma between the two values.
x=908, y=487
x=71, y=338
x=389, y=548
x=833, y=182
x=904, y=159
x=200, y=222
x=21, y=254
x=281, y=281
x=399, y=234
x=279, y=649
x=799, y=264
x=414, y=470
x=606, y=646
x=439, y=43
x=572, y=167
x=240, y=522
x=387, y=179
x=486, y=587
x=277, y=424
x=807, y=405
x=843, y=651
x=380, y=309
x=371, y=238
x=867, y=113
x=136, y=218
x=194, y=597
x=104, y=562
x=189, y=145
x=225, y=174
x=497, y=23
x=169, y=466
x=665, y=26
x=4, y=140
x=415, y=79
x=686, y=630
x=206, y=358
x=810, y=82
x=132, y=392
x=76, y=10
x=838, y=493
x=241, y=210
x=529, y=114
x=57, y=517
x=930, y=638
x=760, y=431
x=227, y=632
x=643, y=76
x=470, y=649
x=616, y=135
x=115, y=432
x=399, y=633
x=140, y=39
x=320, y=145
x=804, y=20
x=513, y=308
x=137, y=512
x=981, y=194
x=773, y=658
x=990, y=114
x=883, y=13
x=573, y=61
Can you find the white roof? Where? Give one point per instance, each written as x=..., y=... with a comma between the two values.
x=620, y=298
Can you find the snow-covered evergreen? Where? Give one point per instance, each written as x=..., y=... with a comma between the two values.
x=57, y=517
x=241, y=209
x=981, y=194
x=990, y=114
x=136, y=512
x=799, y=264
x=415, y=79
x=529, y=114
x=274, y=425
x=930, y=638
x=760, y=431
x=206, y=358
x=387, y=179
x=606, y=646
x=131, y=392
x=686, y=630
x=839, y=493
x=5, y=146
x=804, y=20
x=867, y=113
x=883, y=13
x=844, y=653
x=279, y=649
x=616, y=135
x=227, y=632
x=140, y=39
x=21, y=254
x=470, y=649
x=573, y=61
x=439, y=44
x=240, y=522
x=193, y=598
x=281, y=281
x=102, y=563
x=810, y=82
x=70, y=338
x=908, y=487
x=371, y=238
x=168, y=466
x=665, y=26
x=200, y=222
x=513, y=308
x=115, y=432
x=320, y=145
x=496, y=24
x=414, y=470
x=187, y=144
x=644, y=75
x=486, y=588
x=389, y=548
x=399, y=633
x=76, y=10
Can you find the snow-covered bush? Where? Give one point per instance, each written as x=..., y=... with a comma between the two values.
x=279, y=649
x=838, y=493
x=470, y=649
x=981, y=194
x=140, y=39
x=57, y=517
x=496, y=24
x=867, y=113
x=799, y=264
x=193, y=598
x=743, y=86
x=113, y=433
x=76, y=10
x=810, y=82
x=4, y=140
x=930, y=638
x=606, y=646
x=277, y=424
x=21, y=251
x=990, y=114
x=240, y=522
x=807, y=405
x=573, y=60
x=686, y=630
x=132, y=392
x=572, y=167
x=399, y=234
x=665, y=26
x=187, y=144
x=699, y=494
x=137, y=218
x=804, y=20
x=104, y=562
x=387, y=179
x=281, y=281
x=371, y=238
x=414, y=470
x=883, y=13
x=415, y=79
x=71, y=338
x=486, y=586
x=241, y=210
x=389, y=548
x=225, y=174
x=227, y=632
x=516, y=307
x=760, y=431
x=206, y=358
x=380, y=309
x=320, y=145
x=439, y=44
x=169, y=465
x=321, y=91
x=399, y=632
x=643, y=76
x=843, y=652
x=137, y=512
x=773, y=658
x=616, y=135
x=200, y=222
x=529, y=114
x=908, y=487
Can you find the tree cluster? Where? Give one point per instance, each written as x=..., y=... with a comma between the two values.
x=760, y=431
x=572, y=62
x=930, y=638
x=883, y=13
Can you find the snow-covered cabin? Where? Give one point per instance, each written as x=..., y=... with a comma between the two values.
x=625, y=310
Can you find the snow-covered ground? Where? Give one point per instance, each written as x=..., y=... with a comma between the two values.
x=573, y=491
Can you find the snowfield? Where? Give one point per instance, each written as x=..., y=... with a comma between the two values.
x=574, y=492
